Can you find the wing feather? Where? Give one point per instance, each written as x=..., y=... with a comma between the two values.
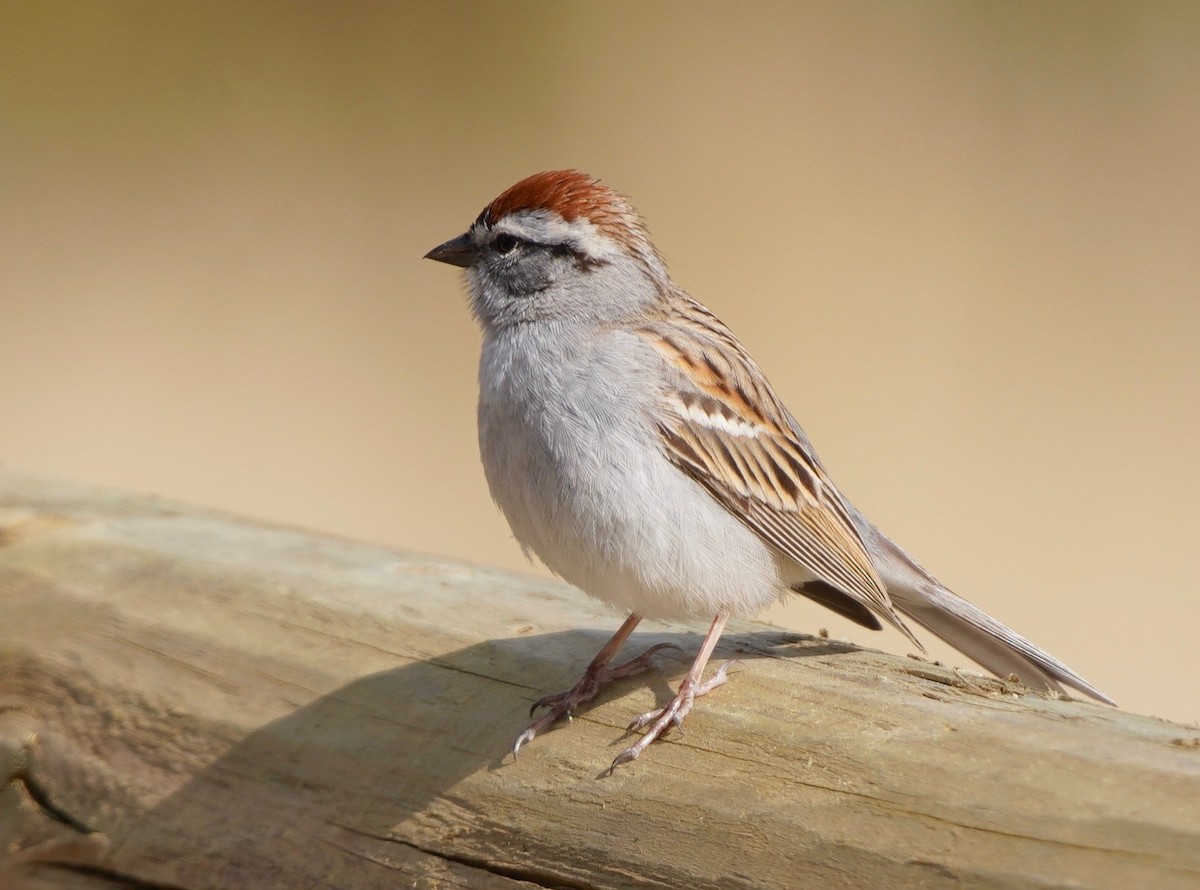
x=723, y=425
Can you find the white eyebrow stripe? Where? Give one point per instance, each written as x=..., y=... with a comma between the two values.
x=546, y=227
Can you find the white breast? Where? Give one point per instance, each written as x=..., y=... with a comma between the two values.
x=573, y=459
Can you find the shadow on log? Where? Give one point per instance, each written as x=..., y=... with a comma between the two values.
x=192, y=700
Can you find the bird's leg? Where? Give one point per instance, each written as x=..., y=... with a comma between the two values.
x=563, y=704
x=671, y=715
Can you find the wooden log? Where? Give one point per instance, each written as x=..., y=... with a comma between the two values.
x=192, y=700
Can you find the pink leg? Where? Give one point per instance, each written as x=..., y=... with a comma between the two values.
x=671, y=715
x=563, y=704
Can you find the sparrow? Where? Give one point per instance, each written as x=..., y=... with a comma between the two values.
x=640, y=453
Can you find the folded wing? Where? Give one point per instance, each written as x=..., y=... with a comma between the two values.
x=724, y=427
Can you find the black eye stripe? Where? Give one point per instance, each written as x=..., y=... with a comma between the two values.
x=505, y=243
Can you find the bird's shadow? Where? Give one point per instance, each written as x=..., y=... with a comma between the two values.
x=368, y=756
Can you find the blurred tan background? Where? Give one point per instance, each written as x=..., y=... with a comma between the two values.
x=963, y=239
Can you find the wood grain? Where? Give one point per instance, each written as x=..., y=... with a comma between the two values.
x=193, y=700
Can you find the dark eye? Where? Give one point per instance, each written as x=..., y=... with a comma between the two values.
x=504, y=243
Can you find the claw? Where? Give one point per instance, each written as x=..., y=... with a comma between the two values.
x=624, y=757
x=657, y=722
x=524, y=737
x=669, y=717
x=564, y=704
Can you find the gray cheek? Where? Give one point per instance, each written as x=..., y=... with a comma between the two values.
x=517, y=281
x=527, y=281
x=534, y=274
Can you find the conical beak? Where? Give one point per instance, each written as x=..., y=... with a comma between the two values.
x=460, y=251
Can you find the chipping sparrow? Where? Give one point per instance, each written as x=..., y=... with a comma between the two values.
x=637, y=449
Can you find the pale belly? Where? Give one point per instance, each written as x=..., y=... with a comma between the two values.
x=585, y=485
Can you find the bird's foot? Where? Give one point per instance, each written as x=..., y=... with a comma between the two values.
x=563, y=704
x=661, y=720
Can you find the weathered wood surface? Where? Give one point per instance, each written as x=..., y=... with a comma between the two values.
x=191, y=700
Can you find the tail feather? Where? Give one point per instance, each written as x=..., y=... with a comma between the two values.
x=925, y=600
x=984, y=639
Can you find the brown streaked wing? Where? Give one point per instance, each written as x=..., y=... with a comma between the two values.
x=728, y=431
